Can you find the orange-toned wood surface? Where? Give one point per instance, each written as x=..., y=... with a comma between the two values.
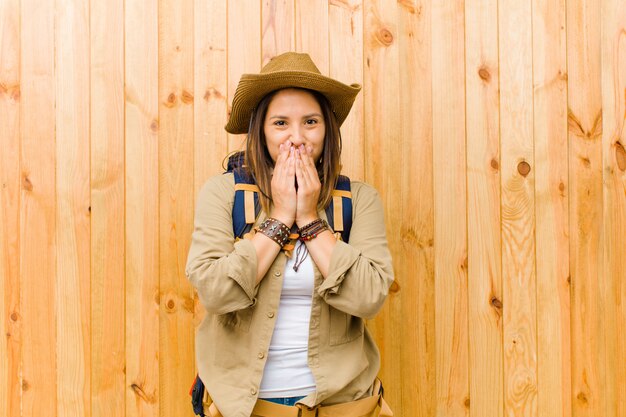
x=493, y=131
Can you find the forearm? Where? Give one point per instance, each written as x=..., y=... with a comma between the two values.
x=266, y=251
x=321, y=249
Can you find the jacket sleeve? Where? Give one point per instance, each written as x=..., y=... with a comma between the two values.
x=222, y=271
x=361, y=270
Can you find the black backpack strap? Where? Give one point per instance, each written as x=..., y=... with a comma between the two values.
x=339, y=212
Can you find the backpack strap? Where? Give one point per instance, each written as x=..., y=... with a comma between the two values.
x=339, y=212
x=247, y=206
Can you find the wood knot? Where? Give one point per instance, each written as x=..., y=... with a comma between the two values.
x=496, y=303
x=25, y=385
x=395, y=287
x=495, y=164
x=154, y=125
x=385, y=36
x=523, y=168
x=561, y=186
x=212, y=93
x=467, y=402
x=138, y=390
x=26, y=184
x=171, y=100
x=187, y=97
x=620, y=156
x=465, y=264
x=484, y=74
x=14, y=316
x=582, y=398
x=170, y=304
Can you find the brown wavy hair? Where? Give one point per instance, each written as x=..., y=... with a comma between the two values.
x=259, y=162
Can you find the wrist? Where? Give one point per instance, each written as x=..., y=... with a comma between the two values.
x=285, y=219
x=303, y=221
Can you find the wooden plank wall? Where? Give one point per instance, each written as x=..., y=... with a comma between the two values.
x=494, y=131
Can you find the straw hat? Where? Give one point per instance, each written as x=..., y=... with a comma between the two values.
x=290, y=69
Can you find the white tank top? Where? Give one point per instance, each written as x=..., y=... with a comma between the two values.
x=287, y=373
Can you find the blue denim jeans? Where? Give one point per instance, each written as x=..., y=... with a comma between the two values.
x=284, y=400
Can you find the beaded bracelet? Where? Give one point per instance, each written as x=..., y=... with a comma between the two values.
x=313, y=229
x=275, y=230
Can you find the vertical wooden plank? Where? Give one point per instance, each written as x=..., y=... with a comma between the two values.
x=312, y=31
x=416, y=264
x=108, y=358
x=142, y=209
x=518, y=207
x=37, y=210
x=384, y=162
x=72, y=208
x=244, y=51
x=585, y=213
x=551, y=185
x=483, y=208
x=210, y=80
x=613, y=63
x=175, y=203
x=10, y=320
x=278, y=32
x=345, y=32
x=448, y=95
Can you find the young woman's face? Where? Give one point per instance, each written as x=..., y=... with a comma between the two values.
x=294, y=116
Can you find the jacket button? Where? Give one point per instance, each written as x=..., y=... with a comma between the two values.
x=270, y=314
x=252, y=391
x=261, y=355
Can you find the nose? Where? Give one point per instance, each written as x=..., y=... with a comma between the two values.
x=297, y=135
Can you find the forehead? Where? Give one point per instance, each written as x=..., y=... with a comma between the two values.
x=293, y=97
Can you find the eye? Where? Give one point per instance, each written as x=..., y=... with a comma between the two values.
x=279, y=123
x=311, y=122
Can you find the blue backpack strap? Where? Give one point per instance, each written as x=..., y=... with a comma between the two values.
x=339, y=212
x=247, y=206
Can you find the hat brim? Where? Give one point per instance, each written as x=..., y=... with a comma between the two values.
x=253, y=87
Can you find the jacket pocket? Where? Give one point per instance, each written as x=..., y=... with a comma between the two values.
x=344, y=327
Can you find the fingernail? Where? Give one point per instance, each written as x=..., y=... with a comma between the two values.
x=310, y=149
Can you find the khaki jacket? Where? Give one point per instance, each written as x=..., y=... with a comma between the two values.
x=233, y=339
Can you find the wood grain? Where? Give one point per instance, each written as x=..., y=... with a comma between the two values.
x=10, y=282
x=345, y=32
x=415, y=265
x=450, y=196
x=382, y=128
x=277, y=28
x=244, y=51
x=108, y=360
x=613, y=50
x=518, y=209
x=588, y=350
x=73, y=235
x=142, y=209
x=312, y=32
x=551, y=193
x=38, y=287
x=483, y=209
x=176, y=180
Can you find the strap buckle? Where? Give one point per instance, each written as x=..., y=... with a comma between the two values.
x=304, y=411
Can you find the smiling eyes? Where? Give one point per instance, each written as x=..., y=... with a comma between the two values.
x=309, y=122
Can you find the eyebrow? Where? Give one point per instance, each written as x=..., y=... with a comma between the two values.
x=306, y=116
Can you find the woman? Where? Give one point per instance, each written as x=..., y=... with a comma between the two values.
x=287, y=327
